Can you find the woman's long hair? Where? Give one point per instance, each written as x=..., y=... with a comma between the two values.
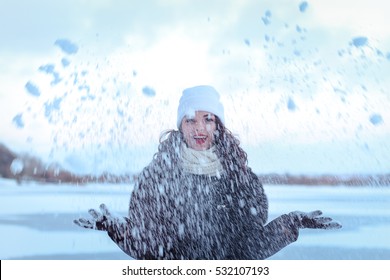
x=228, y=150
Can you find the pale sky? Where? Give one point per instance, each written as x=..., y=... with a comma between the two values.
x=305, y=87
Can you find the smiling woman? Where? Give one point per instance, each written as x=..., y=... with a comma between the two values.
x=303, y=83
x=198, y=198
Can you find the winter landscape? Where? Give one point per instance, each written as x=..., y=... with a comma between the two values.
x=86, y=89
x=36, y=221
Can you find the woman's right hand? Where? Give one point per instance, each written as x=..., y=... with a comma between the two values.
x=99, y=221
x=105, y=221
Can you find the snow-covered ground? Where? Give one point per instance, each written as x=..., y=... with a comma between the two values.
x=36, y=221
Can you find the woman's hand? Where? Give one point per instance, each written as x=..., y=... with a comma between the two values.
x=104, y=220
x=313, y=220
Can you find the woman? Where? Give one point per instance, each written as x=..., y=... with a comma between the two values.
x=198, y=199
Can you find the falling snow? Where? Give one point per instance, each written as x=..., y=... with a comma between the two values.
x=376, y=119
x=32, y=89
x=67, y=46
x=91, y=106
x=303, y=6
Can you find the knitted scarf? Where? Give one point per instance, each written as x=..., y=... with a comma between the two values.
x=200, y=162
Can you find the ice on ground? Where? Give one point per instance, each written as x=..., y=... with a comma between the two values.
x=45, y=213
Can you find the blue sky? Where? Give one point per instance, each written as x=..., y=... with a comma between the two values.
x=305, y=89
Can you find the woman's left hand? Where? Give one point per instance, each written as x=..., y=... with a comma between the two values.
x=313, y=220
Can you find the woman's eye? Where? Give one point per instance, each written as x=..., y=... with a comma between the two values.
x=190, y=120
x=209, y=120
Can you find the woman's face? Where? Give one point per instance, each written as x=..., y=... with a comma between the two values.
x=199, y=130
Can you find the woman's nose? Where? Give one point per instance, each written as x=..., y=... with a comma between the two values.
x=199, y=126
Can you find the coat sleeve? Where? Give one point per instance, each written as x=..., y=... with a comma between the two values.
x=147, y=234
x=277, y=234
x=261, y=242
x=265, y=239
x=259, y=198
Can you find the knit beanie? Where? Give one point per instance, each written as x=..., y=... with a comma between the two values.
x=200, y=98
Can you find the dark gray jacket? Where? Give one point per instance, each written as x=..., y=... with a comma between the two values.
x=176, y=215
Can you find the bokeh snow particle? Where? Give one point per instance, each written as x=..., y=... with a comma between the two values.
x=148, y=91
x=50, y=69
x=359, y=41
x=67, y=46
x=32, y=89
x=65, y=62
x=51, y=106
x=267, y=18
x=376, y=119
x=291, y=104
x=18, y=120
x=303, y=6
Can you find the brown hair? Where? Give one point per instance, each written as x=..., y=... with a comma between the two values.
x=228, y=148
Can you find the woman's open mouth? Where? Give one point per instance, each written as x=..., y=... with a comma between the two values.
x=200, y=139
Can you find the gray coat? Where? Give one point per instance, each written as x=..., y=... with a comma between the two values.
x=176, y=215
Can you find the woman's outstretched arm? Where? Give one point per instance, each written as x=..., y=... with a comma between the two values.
x=282, y=231
x=116, y=226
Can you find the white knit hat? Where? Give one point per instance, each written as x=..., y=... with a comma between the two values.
x=200, y=98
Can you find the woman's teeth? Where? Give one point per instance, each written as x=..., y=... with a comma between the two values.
x=200, y=139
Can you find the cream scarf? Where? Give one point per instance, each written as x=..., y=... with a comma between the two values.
x=200, y=162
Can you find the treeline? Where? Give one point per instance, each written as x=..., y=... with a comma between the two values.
x=326, y=180
x=26, y=168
